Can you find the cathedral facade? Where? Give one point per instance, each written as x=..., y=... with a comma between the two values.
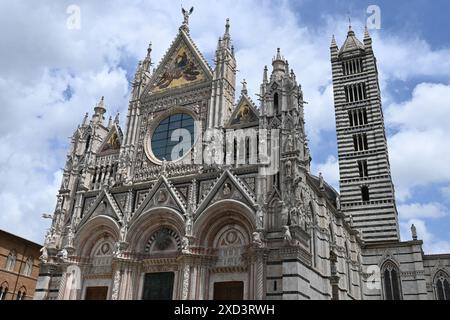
x=206, y=195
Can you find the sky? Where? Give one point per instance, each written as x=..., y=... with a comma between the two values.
x=57, y=58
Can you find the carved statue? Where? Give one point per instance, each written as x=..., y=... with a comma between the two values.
x=289, y=144
x=414, y=232
x=70, y=236
x=338, y=202
x=226, y=189
x=185, y=245
x=257, y=241
x=260, y=217
x=64, y=254
x=44, y=254
x=186, y=15
x=189, y=225
x=321, y=182
x=287, y=234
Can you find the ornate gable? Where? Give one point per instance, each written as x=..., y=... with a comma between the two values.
x=112, y=142
x=183, y=65
x=105, y=205
x=228, y=186
x=162, y=194
x=245, y=114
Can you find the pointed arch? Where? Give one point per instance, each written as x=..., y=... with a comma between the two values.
x=4, y=287
x=441, y=283
x=390, y=276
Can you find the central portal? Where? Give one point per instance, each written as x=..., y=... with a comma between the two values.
x=233, y=290
x=158, y=286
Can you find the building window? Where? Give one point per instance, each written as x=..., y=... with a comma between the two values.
x=357, y=117
x=3, y=290
x=360, y=142
x=173, y=137
x=11, y=261
x=365, y=194
x=28, y=268
x=442, y=285
x=391, y=281
x=21, y=294
x=362, y=167
x=276, y=104
x=352, y=66
x=355, y=92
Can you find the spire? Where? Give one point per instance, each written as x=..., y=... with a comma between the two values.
x=333, y=42
x=244, y=87
x=265, y=78
x=85, y=119
x=226, y=35
x=148, y=59
x=278, y=63
x=186, y=14
x=99, y=111
x=367, y=39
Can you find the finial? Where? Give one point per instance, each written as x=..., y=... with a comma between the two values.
x=265, y=79
x=110, y=122
x=278, y=54
x=85, y=119
x=186, y=14
x=244, y=87
x=349, y=23
x=366, y=32
x=148, y=59
x=333, y=42
x=227, y=26
x=116, y=119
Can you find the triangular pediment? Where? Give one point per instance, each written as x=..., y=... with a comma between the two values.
x=228, y=186
x=103, y=205
x=112, y=142
x=162, y=194
x=245, y=114
x=183, y=65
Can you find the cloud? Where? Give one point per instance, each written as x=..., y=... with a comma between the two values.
x=419, y=143
x=44, y=59
x=424, y=211
x=432, y=243
x=330, y=171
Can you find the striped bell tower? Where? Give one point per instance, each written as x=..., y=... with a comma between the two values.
x=367, y=192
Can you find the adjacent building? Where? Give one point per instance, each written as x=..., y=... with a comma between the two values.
x=19, y=267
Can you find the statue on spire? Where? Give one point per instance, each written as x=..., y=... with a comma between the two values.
x=186, y=14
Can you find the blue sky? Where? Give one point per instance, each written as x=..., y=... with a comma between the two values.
x=50, y=75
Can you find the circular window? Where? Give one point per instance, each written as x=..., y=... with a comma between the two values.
x=173, y=137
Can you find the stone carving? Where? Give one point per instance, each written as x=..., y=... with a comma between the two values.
x=64, y=254
x=185, y=245
x=188, y=225
x=44, y=254
x=414, y=232
x=226, y=189
x=260, y=218
x=70, y=237
x=257, y=241
x=116, y=285
x=287, y=234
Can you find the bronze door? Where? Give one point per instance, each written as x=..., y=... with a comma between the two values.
x=233, y=290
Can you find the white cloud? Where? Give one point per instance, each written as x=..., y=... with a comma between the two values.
x=424, y=211
x=330, y=171
x=44, y=58
x=418, y=150
x=432, y=244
